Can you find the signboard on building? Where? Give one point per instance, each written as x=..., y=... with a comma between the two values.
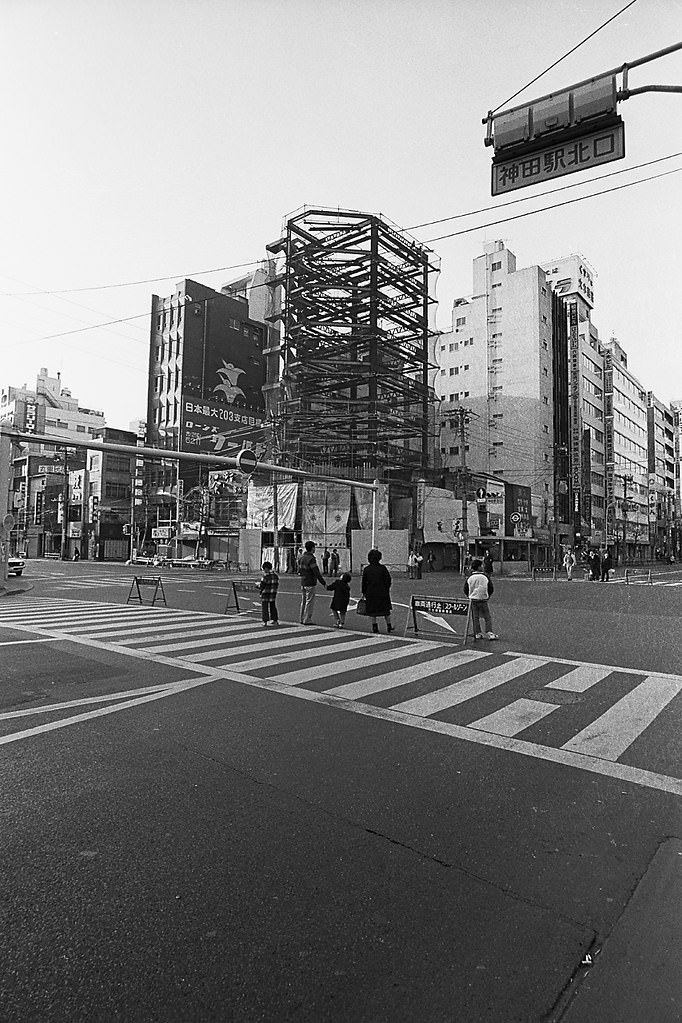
x=517, y=510
x=583, y=153
x=213, y=427
x=575, y=401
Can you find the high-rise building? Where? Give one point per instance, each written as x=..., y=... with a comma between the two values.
x=496, y=361
x=572, y=278
x=627, y=455
x=661, y=468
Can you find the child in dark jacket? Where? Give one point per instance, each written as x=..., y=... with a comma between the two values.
x=341, y=598
x=268, y=587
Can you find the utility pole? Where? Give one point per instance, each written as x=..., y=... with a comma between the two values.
x=462, y=417
x=65, y=506
x=626, y=480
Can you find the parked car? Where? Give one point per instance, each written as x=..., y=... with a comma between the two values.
x=15, y=565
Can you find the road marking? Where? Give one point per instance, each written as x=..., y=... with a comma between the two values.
x=400, y=677
x=243, y=633
x=17, y=642
x=124, y=621
x=50, y=708
x=467, y=689
x=319, y=650
x=580, y=679
x=295, y=678
x=513, y=718
x=589, y=664
x=610, y=735
x=144, y=636
x=51, y=726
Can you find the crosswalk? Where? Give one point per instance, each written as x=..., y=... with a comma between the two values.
x=602, y=718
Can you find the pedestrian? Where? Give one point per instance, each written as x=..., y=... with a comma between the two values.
x=310, y=576
x=605, y=565
x=268, y=587
x=420, y=561
x=594, y=565
x=569, y=564
x=376, y=589
x=334, y=561
x=487, y=564
x=76, y=555
x=479, y=589
x=325, y=561
x=341, y=598
x=411, y=565
x=430, y=561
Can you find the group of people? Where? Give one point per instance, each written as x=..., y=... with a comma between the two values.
x=599, y=564
x=415, y=564
x=376, y=589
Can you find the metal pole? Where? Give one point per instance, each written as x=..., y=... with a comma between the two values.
x=65, y=505
x=463, y=488
x=275, y=532
x=374, y=515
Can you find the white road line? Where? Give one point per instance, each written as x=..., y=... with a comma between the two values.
x=304, y=654
x=16, y=642
x=143, y=636
x=197, y=641
x=50, y=708
x=78, y=614
x=107, y=624
x=580, y=679
x=467, y=689
x=52, y=726
x=610, y=735
x=296, y=678
x=513, y=718
x=579, y=664
x=401, y=676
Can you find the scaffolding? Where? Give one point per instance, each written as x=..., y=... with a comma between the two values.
x=355, y=391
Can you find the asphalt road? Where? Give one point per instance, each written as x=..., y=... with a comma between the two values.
x=187, y=840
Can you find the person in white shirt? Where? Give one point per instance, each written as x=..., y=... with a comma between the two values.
x=569, y=564
x=479, y=588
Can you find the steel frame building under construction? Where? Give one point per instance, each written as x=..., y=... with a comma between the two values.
x=355, y=393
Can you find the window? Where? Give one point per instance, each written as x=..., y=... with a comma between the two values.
x=466, y=395
x=456, y=371
x=544, y=345
x=496, y=390
x=497, y=415
x=452, y=371
x=545, y=428
x=498, y=285
x=497, y=309
x=442, y=348
x=498, y=443
x=451, y=348
x=442, y=372
x=460, y=321
x=454, y=451
x=50, y=422
x=495, y=336
x=497, y=265
x=545, y=400
x=456, y=346
x=451, y=397
x=80, y=429
x=497, y=362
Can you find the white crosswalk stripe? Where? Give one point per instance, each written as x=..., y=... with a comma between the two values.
x=294, y=657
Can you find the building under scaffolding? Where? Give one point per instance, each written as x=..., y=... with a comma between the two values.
x=350, y=388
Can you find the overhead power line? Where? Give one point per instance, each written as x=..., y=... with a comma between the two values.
x=553, y=206
x=567, y=54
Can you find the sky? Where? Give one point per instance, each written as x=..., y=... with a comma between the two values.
x=165, y=138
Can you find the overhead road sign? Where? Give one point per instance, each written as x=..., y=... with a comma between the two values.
x=565, y=131
x=581, y=153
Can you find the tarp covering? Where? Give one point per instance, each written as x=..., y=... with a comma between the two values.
x=260, y=507
x=363, y=501
x=326, y=507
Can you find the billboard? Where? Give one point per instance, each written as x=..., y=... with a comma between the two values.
x=222, y=404
x=517, y=510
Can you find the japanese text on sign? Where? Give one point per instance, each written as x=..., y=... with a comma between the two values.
x=440, y=605
x=578, y=154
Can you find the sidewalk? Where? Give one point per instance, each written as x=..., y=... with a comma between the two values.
x=12, y=586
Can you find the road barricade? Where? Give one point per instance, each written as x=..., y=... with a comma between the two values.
x=434, y=607
x=239, y=586
x=141, y=580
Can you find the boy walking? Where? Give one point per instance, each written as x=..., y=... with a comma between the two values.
x=341, y=598
x=268, y=587
x=479, y=588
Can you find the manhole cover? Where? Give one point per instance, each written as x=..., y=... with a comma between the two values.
x=556, y=696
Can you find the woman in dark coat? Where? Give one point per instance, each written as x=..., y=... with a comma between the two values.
x=376, y=589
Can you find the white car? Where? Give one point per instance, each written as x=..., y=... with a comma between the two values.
x=15, y=566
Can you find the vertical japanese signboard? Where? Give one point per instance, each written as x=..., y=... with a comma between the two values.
x=575, y=403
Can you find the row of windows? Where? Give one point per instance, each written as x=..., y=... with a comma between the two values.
x=625, y=383
x=453, y=450
x=628, y=403
x=591, y=388
x=628, y=424
x=454, y=370
x=592, y=367
x=456, y=395
x=629, y=445
x=591, y=410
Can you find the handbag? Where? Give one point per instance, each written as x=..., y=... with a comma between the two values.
x=362, y=606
